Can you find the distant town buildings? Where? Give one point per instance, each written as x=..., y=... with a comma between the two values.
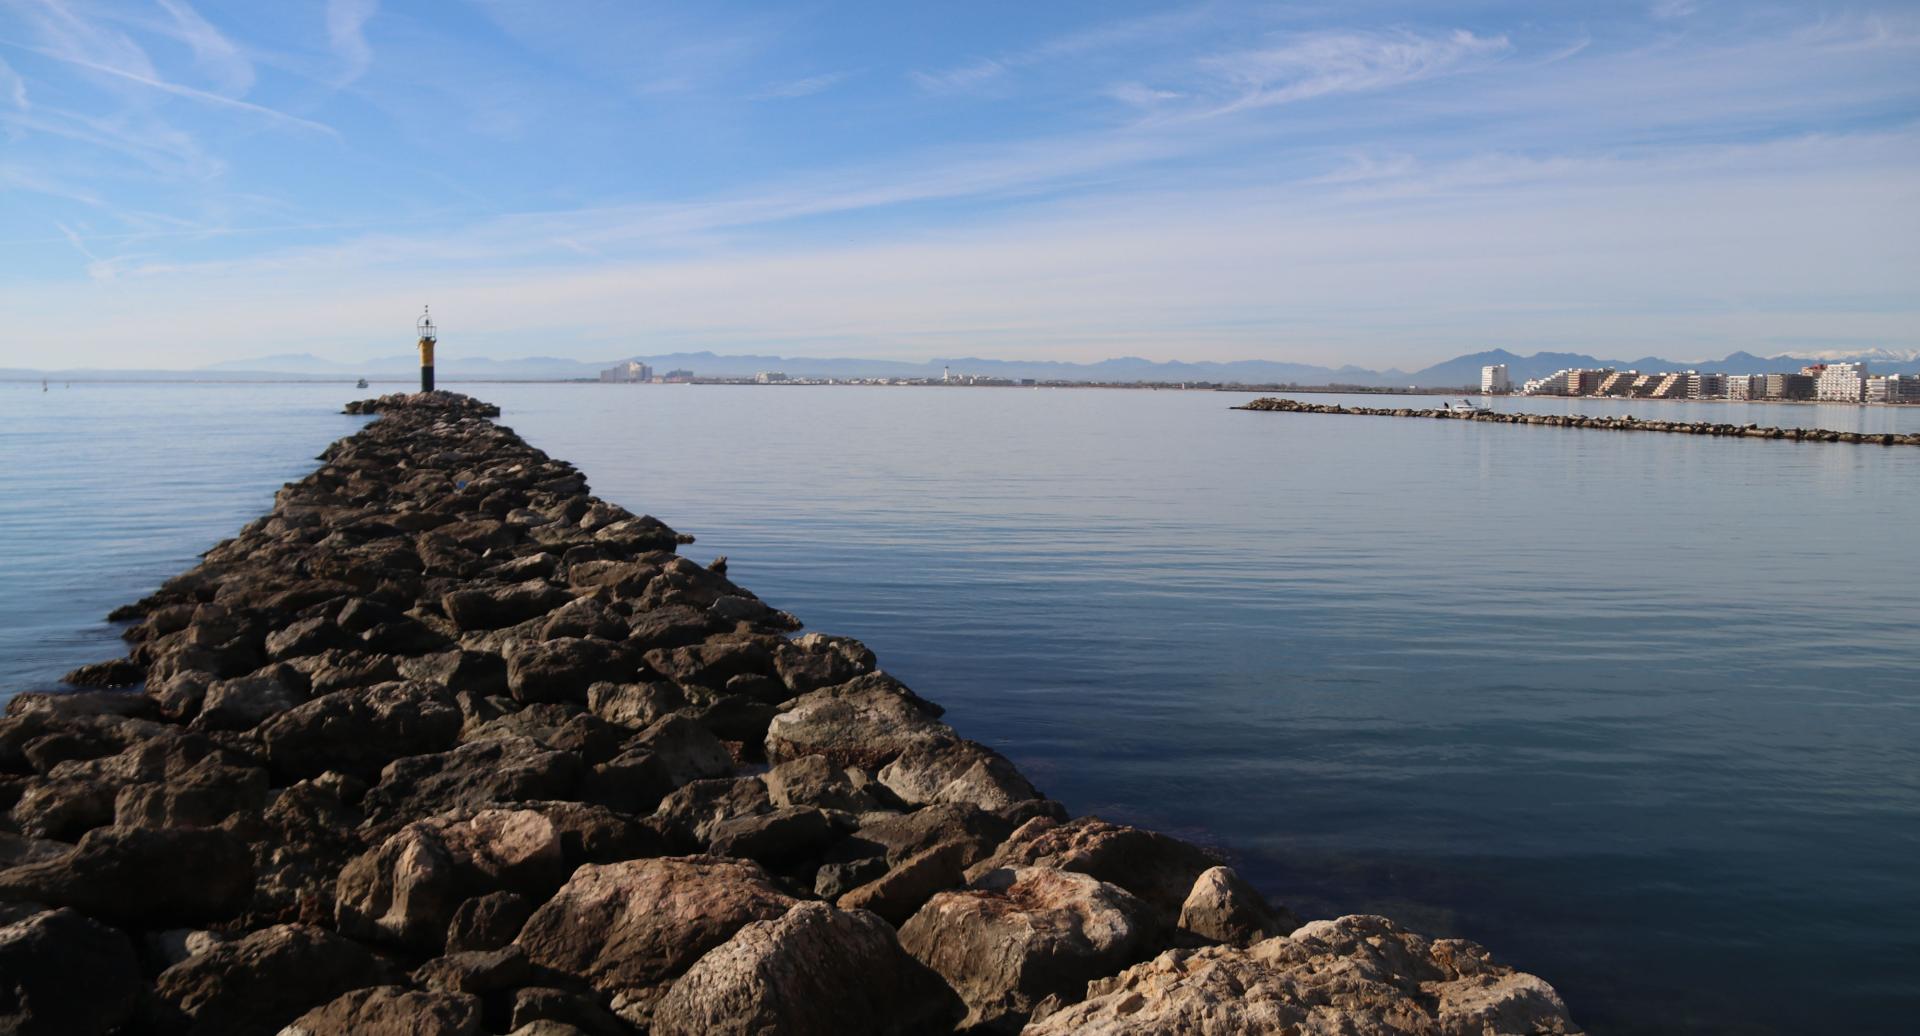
x=1494, y=380
x=633, y=371
x=1832, y=382
x=1894, y=388
x=769, y=378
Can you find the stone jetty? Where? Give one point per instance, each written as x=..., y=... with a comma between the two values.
x=1616, y=424
x=446, y=745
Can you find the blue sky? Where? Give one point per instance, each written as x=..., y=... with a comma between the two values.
x=1372, y=183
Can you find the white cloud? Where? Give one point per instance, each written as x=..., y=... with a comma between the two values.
x=346, y=31
x=1667, y=10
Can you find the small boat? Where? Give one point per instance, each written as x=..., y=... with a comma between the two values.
x=362, y=384
x=1466, y=406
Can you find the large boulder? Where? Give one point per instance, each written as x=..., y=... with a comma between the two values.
x=956, y=771
x=899, y=892
x=141, y=877
x=1021, y=936
x=360, y=730
x=628, y=927
x=245, y=701
x=1362, y=975
x=1153, y=866
x=471, y=777
x=408, y=889
x=563, y=669
x=1223, y=908
x=488, y=608
x=263, y=981
x=866, y=722
x=815, y=971
x=813, y=781
x=62, y=974
x=391, y=1011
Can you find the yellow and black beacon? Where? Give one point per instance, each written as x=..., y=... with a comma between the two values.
x=427, y=337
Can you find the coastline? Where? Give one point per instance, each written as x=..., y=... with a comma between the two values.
x=501, y=667
x=1616, y=424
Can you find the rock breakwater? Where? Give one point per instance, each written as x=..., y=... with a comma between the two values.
x=444, y=744
x=1616, y=424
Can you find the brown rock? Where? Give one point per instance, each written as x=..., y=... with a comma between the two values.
x=261, y=982
x=1021, y=936
x=1158, y=869
x=865, y=722
x=141, y=878
x=628, y=927
x=359, y=731
x=957, y=771
x=1359, y=975
x=904, y=889
x=815, y=971
x=408, y=889
x=1223, y=908
x=62, y=974
x=391, y=1011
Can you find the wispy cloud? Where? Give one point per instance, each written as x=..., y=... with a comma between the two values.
x=804, y=87
x=212, y=50
x=967, y=77
x=1667, y=10
x=346, y=31
x=14, y=86
x=1320, y=64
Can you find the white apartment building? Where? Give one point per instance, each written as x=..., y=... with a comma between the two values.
x=1494, y=380
x=1839, y=382
x=1746, y=386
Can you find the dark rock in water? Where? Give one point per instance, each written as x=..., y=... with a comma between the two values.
x=391, y=1011
x=1223, y=908
x=123, y=672
x=815, y=971
x=1021, y=936
x=62, y=974
x=261, y=982
x=628, y=927
x=487, y=922
x=359, y=731
x=142, y=878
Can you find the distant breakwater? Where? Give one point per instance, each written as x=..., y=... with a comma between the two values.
x=444, y=744
x=1616, y=424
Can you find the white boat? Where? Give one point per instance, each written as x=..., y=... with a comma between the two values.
x=1466, y=406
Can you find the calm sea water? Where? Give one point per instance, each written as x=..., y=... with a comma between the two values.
x=1640, y=712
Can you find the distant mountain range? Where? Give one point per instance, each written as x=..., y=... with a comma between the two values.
x=1457, y=372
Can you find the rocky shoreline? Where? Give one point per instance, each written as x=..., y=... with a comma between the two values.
x=1616, y=424
x=446, y=745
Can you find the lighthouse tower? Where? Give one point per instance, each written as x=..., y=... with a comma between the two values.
x=427, y=338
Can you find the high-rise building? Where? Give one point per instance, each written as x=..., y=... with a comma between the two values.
x=632, y=371
x=1706, y=386
x=1894, y=388
x=1839, y=382
x=1494, y=380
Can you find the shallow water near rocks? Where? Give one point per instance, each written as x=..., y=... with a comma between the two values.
x=1639, y=712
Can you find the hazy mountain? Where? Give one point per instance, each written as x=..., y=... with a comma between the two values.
x=1458, y=372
